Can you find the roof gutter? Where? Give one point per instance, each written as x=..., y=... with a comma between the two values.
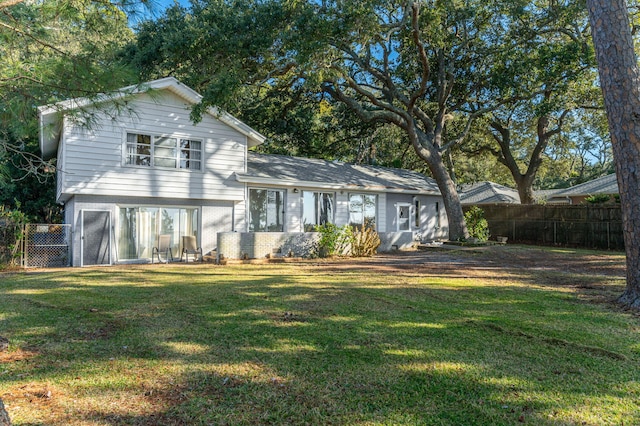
x=243, y=178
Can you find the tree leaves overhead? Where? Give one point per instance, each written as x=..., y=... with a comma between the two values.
x=369, y=80
x=51, y=50
x=544, y=74
x=431, y=68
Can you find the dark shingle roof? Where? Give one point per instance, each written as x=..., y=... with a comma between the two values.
x=287, y=170
x=489, y=193
x=603, y=185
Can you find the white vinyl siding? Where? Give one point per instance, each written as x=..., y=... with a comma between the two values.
x=60, y=167
x=95, y=158
x=216, y=216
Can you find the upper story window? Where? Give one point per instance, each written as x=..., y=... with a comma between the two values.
x=163, y=151
x=362, y=210
x=317, y=209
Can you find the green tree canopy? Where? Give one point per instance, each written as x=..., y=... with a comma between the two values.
x=51, y=50
x=435, y=71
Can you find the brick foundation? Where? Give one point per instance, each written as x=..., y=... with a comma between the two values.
x=256, y=245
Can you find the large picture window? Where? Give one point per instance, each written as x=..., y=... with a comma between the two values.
x=163, y=151
x=266, y=210
x=317, y=209
x=140, y=227
x=362, y=210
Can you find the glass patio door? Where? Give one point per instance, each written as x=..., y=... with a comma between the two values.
x=140, y=227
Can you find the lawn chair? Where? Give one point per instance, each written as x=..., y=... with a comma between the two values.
x=164, y=247
x=190, y=246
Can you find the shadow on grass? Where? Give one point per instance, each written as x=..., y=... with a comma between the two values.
x=273, y=345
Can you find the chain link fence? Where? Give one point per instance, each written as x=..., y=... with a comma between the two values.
x=46, y=246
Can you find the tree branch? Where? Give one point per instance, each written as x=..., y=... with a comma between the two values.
x=26, y=34
x=422, y=56
x=386, y=116
x=9, y=3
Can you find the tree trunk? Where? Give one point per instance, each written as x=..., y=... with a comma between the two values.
x=455, y=217
x=451, y=199
x=4, y=416
x=524, y=183
x=620, y=82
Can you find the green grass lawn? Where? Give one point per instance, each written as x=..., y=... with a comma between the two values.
x=317, y=344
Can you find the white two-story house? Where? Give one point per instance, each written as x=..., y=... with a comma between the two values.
x=132, y=166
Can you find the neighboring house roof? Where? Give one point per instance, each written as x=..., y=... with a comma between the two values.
x=51, y=115
x=544, y=194
x=489, y=193
x=296, y=171
x=603, y=185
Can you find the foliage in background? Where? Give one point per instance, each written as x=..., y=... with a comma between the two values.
x=477, y=224
x=544, y=77
x=51, y=51
x=597, y=198
x=11, y=233
x=264, y=61
x=330, y=79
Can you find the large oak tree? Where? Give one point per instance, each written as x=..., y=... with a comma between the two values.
x=545, y=70
x=413, y=65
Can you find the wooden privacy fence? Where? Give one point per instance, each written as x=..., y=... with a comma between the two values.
x=588, y=226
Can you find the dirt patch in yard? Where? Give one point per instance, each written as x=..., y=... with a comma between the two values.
x=594, y=276
x=479, y=260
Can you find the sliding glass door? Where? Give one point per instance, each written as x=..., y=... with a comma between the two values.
x=140, y=227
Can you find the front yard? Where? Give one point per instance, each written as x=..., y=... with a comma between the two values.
x=501, y=336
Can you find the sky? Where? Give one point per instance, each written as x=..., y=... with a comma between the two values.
x=157, y=9
x=163, y=4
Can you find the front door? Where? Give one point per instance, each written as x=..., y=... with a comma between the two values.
x=404, y=213
x=95, y=236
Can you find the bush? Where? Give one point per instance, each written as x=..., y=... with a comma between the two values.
x=334, y=240
x=597, y=198
x=477, y=225
x=11, y=233
x=364, y=242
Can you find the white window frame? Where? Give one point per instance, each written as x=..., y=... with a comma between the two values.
x=283, y=206
x=376, y=213
x=316, y=207
x=197, y=231
x=409, y=219
x=177, y=148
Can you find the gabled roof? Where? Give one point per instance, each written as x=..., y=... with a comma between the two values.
x=603, y=185
x=51, y=115
x=290, y=171
x=489, y=193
